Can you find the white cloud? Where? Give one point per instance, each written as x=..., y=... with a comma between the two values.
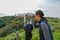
x=11, y=7
x=50, y=7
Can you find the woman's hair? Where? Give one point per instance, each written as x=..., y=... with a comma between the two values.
x=41, y=14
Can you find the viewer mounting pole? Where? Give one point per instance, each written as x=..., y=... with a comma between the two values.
x=24, y=19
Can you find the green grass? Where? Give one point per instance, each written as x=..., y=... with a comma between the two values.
x=35, y=33
x=54, y=23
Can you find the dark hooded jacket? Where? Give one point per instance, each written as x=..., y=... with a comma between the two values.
x=45, y=30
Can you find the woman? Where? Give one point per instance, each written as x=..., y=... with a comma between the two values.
x=44, y=28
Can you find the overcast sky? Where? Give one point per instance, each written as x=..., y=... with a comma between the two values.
x=51, y=8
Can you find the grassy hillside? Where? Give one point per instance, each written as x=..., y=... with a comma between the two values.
x=10, y=25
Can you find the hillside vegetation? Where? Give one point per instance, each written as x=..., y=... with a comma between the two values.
x=10, y=25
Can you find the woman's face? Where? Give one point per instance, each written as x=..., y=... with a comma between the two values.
x=36, y=17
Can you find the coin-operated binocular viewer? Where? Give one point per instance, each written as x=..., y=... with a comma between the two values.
x=28, y=27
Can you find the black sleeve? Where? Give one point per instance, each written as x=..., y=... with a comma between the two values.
x=35, y=25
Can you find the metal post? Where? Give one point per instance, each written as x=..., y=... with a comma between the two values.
x=24, y=20
x=30, y=20
x=17, y=36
